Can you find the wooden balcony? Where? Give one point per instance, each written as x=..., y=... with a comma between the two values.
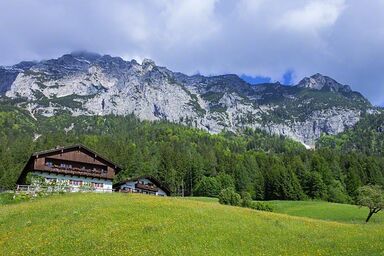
x=151, y=188
x=76, y=171
x=139, y=191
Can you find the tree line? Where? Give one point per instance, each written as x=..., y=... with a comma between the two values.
x=192, y=161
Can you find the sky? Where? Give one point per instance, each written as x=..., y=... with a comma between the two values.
x=260, y=40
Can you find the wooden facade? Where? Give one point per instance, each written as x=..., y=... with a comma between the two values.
x=76, y=160
x=143, y=184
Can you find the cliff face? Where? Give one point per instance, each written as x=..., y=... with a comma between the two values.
x=91, y=84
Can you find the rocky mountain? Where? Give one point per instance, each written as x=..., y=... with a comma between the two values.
x=320, y=82
x=83, y=83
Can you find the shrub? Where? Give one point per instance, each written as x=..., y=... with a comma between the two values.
x=230, y=197
x=21, y=197
x=225, y=181
x=261, y=206
x=246, y=199
x=6, y=198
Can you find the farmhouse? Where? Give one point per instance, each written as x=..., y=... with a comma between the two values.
x=73, y=167
x=143, y=184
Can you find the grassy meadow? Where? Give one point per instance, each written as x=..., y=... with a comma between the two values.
x=317, y=210
x=127, y=224
x=326, y=211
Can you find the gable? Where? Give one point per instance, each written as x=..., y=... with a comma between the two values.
x=72, y=160
x=76, y=155
x=146, y=180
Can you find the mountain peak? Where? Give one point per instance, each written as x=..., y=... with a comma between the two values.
x=85, y=83
x=321, y=82
x=91, y=56
x=147, y=63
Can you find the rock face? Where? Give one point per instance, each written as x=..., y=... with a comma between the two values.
x=90, y=84
x=320, y=82
x=7, y=77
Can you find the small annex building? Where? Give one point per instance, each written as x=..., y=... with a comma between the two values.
x=143, y=184
x=73, y=166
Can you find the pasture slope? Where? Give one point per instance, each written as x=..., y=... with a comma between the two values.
x=126, y=224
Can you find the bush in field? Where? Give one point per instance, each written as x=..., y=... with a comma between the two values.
x=246, y=200
x=261, y=206
x=21, y=197
x=228, y=196
x=6, y=198
x=225, y=181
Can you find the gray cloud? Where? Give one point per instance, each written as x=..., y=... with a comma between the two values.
x=343, y=39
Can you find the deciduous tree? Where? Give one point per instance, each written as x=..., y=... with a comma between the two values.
x=371, y=197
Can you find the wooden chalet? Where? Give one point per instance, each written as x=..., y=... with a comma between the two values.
x=73, y=166
x=143, y=184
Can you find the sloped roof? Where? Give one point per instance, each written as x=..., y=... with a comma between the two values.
x=59, y=149
x=149, y=177
x=78, y=146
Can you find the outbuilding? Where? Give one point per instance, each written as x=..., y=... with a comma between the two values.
x=143, y=184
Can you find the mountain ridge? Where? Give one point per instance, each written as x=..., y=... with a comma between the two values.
x=83, y=83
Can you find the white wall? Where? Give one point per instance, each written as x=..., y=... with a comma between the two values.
x=107, y=184
x=131, y=185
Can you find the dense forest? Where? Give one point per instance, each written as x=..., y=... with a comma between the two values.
x=366, y=137
x=196, y=162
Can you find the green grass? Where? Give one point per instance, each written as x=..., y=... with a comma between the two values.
x=7, y=198
x=126, y=224
x=326, y=211
x=321, y=210
x=202, y=199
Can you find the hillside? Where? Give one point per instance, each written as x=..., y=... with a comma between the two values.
x=120, y=224
x=345, y=213
x=269, y=167
x=367, y=137
x=84, y=83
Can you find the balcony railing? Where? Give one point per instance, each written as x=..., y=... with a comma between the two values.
x=31, y=189
x=76, y=171
x=133, y=190
x=146, y=187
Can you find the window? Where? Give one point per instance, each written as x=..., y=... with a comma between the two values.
x=75, y=182
x=97, y=185
x=66, y=166
x=49, y=164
